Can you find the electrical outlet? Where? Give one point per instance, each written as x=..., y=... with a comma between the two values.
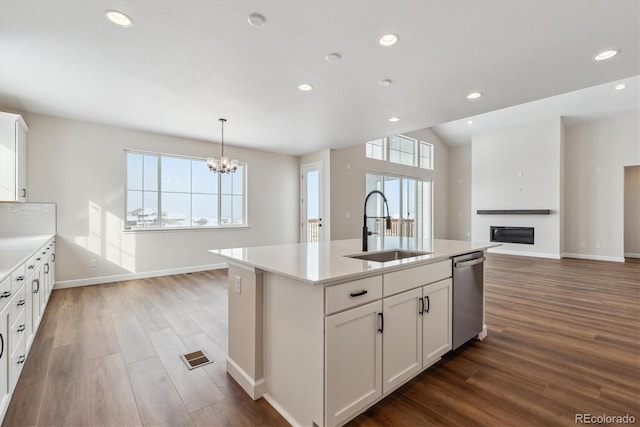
x=347, y=215
x=597, y=245
x=93, y=263
x=238, y=285
x=583, y=245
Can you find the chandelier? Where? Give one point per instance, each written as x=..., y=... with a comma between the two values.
x=222, y=165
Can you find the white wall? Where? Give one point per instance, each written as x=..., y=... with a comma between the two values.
x=519, y=168
x=459, y=192
x=595, y=157
x=81, y=167
x=632, y=211
x=348, y=169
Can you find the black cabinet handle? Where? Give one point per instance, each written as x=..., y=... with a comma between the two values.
x=21, y=328
x=5, y=294
x=21, y=359
x=37, y=282
x=428, y=304
x=38, y=259
x=357, y=294
x=2, y=345
x=53, y=257
x=31, y=267
x=46, y=268
x=24, y=192
x=20, y=303
x=381, y=316
x=19, y=278
x=421, y=310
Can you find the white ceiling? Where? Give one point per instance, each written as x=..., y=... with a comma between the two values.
x=184, y=64
x=582, y=105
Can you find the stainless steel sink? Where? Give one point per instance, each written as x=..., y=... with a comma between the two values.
x=384, y=256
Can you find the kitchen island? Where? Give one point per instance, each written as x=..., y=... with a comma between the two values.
x=322, y=335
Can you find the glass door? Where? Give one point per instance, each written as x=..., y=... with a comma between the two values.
x=311, y=203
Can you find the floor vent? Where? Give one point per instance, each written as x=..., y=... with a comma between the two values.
x=196, y=359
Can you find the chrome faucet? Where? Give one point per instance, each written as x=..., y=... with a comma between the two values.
x=365, y=231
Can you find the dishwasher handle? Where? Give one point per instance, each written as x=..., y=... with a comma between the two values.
x=468, y=263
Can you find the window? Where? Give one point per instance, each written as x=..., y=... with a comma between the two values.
x=166, y=192
x=426, y=155
x=410, y=206
x=376, y=149
x=402, y=150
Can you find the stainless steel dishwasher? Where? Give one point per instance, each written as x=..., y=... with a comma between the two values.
x=468, y=278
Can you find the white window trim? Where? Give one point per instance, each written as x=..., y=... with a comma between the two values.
x=244, y=225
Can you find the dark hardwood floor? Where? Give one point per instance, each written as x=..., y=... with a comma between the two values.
x=564, y=339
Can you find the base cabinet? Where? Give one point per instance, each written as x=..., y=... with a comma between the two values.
x=354, y=361
x=23, y=297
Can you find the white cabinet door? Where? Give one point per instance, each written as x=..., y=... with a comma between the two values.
x=36, y=298
x=5, y=357
x=13, y=158
x=21, y=161
x=436, y=330
x=402, y=338
x=353, y=361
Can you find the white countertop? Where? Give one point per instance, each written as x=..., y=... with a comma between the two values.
x=325, y=262
x=16, y=250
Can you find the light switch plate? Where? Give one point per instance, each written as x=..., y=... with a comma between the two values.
x=238, y=285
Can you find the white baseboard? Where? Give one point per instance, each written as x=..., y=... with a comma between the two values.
x=255, y=389
x=631, y=255
x=287, y=416
x=522, y=253
x=483, y=333
x=593, y=257
x=131, y=276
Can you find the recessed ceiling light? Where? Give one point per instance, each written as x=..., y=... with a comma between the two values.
x=256, y=19
x=470, y=122
x=118, y=18
x=394, y=119
x=305, y=87
x=385, y=82
x=388, y=40
x=334, y=57
x=606, y=55
x=474, y=95
x=621, y=86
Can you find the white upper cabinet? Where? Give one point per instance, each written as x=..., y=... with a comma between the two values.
x=13, y=158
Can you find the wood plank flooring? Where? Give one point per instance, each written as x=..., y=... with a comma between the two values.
x=564, y=338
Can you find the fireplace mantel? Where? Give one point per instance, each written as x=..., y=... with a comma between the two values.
x=514, y=212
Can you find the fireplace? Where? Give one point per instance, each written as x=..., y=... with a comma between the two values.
x=522, y=235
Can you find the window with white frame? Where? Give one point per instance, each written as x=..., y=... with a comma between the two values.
x=426, y=155
x=169, y=192
x=402, y=150
x=376, y=149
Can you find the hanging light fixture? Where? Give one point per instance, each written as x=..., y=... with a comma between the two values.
x=223, y=165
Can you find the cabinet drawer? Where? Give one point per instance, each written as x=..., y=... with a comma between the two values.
x=5, y=292
x=351, y=294
x=18, y=331
x=19, y=302
x=403, y=280
x=17, y=360
x=18, y=278
x=30, y=266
